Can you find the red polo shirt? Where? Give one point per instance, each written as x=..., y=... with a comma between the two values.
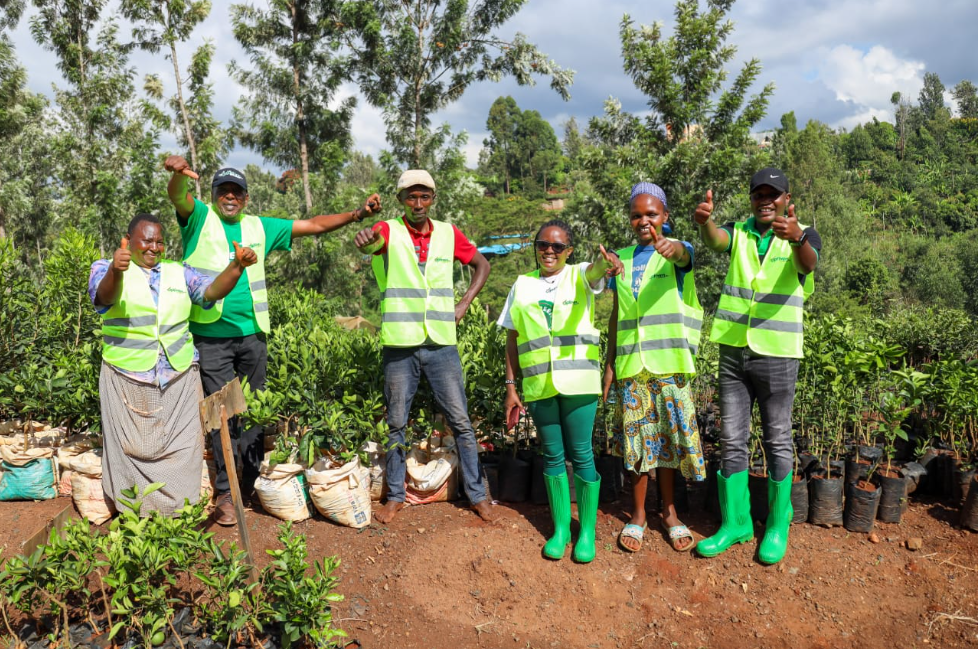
x=464, y=249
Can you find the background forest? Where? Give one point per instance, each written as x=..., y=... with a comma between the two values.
x=896, y=204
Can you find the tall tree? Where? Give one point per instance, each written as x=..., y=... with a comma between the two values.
x=573, y=140
x=500, y=146
x=159, y=23
x=105, y=155
x=697, y=133
x=966, y=98
x=415, y=57
x=24, y=167
x=296, y=72
x=10, y=13
x=931, y=98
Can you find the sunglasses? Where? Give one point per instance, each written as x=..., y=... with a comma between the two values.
x=558, y=248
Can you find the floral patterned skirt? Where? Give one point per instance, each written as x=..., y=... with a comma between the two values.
x=656, y=425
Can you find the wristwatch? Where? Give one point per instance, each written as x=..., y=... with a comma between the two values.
x=801, y=240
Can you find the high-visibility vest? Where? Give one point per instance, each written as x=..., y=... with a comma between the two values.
x=134, y=329
x=761, y=304
x=416, y=307
x=564, y=353
x=658, y=332
x=211, y=257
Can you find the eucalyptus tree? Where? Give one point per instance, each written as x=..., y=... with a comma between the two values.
x=24, y=163
x=966, y=98
x=295, y=75
x=105, y=156
x=209, y=142
x=167, y=23
x=415, y=57
x=696, y=135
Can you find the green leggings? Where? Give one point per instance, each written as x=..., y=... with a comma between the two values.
x=566, y=423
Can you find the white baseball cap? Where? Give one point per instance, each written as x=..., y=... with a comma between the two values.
x=413, y=177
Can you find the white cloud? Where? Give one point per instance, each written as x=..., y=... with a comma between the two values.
x=867, y=80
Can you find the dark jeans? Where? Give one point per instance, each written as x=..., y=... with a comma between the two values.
x=222, y=359
x=403, y=367
x=745, y=377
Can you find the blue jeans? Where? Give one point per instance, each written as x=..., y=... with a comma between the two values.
x=745, y=377
x=403, y=367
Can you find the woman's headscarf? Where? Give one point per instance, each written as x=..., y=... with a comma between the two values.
x=656, y=192
x=652, y=190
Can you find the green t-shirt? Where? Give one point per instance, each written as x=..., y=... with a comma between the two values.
x=238, y=317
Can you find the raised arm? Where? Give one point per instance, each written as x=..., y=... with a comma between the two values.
x=110, y=288
x=598, y=269
x=714, y=238
x=328, y=222
x=178, y=189
x=480, y=273
x=226, y=281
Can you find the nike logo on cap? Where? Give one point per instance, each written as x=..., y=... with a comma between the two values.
x=775, y=176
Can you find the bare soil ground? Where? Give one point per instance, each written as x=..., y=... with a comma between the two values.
x=439, y=577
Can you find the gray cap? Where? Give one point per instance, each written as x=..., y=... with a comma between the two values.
x=413, y=177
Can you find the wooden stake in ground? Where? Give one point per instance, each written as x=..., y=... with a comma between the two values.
x=215, y=411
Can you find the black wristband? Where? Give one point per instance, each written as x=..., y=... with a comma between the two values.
x=357, y=215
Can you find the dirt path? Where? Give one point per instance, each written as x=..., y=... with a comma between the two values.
x=439, y=577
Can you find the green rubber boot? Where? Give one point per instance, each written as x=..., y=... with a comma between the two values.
x=558, y=492
x=587, y=515
x=735, y=513
x=780, y=512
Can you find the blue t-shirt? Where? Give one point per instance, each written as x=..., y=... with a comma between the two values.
x=640, y=261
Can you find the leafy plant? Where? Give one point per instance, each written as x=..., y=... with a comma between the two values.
x=301, y=604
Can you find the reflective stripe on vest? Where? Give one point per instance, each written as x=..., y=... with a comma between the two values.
x=664, y=339
x=134, y=329
x=566, y=355
x=761, y=304
x=211, y=257
x=416, y=307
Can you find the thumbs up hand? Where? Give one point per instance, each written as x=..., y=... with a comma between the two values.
x=122, y=256
x=786, y=227
x=664, y=246
x=704, y=211
x=366, y=238
x=244, y=257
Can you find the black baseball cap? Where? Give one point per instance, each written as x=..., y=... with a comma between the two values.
x=770, y=176
x=229, y=175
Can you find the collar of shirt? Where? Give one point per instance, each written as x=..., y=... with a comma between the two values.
x=414, y=231
x=751, y=226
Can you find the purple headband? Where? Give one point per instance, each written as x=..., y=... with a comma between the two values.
x=652, y=190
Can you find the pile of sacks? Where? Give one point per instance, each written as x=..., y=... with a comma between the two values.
x=81, y=470
x=342, y=492
x=28, y=470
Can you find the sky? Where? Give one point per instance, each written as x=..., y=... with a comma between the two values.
x=835, y=61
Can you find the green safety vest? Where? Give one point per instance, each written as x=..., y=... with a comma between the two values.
x=211, y=257
x=565, y=354
x=416, y=308
x=761, y=303
x=658, y=332
x=134, y=329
